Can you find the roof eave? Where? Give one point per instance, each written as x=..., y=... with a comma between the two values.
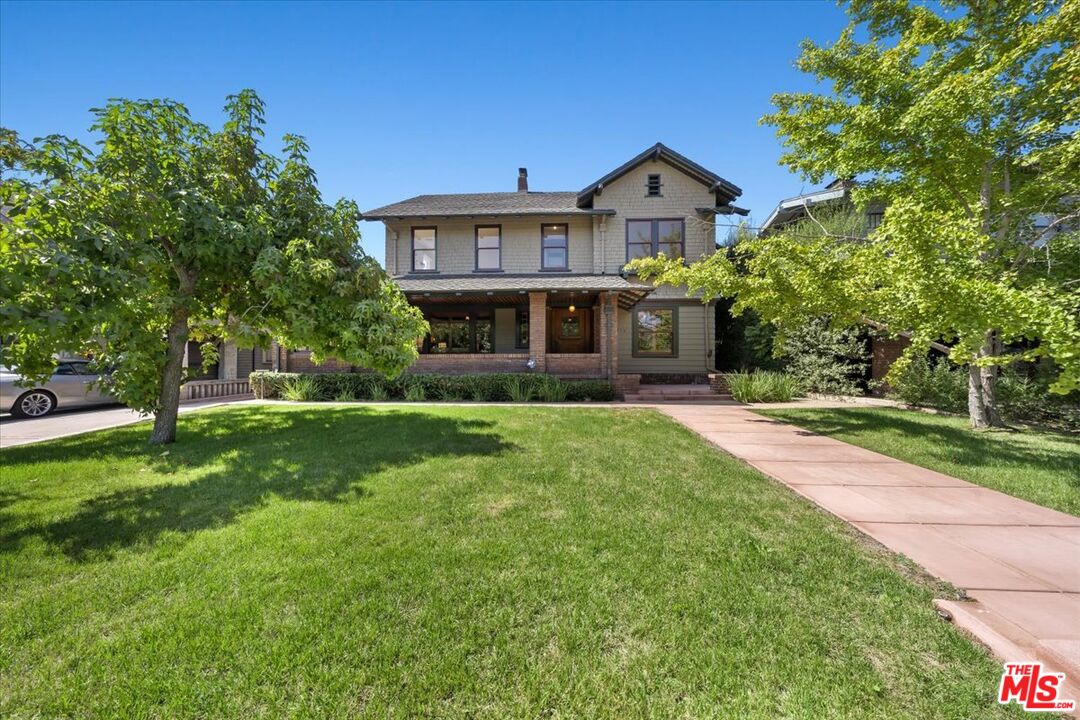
x=579, y=212
x=659, y=151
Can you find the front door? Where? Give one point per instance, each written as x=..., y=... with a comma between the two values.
x=570, y=332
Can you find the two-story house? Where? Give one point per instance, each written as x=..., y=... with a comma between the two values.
x=534, y=281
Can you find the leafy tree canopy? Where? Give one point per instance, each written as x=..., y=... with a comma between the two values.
x=962, y=118
x=169, y=231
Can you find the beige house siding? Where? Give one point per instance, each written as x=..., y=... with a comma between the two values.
x=694, y=330
x=680, y=195
x=597, y=245
x=520, y=240
x=506, y=331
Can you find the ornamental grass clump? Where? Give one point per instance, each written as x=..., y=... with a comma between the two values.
x=763, y=386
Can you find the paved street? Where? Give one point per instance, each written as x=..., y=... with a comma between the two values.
x=22, y=431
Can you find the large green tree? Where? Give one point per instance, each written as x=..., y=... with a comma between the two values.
x=962, y=117
x=170, y=231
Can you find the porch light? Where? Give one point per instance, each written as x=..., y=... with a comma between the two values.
x=572, y=308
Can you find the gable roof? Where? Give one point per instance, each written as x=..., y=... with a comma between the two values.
x=521, y=204
x=470, y=204
x=725, y=191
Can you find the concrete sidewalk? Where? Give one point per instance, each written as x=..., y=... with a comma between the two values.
x=1018, y=561
x=23, y=431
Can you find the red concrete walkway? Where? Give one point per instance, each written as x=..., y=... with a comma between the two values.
x=1019, y=562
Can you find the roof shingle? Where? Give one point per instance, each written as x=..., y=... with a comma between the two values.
x=470, y=204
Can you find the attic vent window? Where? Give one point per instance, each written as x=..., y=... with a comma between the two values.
x=652, y=187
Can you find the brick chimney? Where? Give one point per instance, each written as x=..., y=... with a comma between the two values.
x=523, y=180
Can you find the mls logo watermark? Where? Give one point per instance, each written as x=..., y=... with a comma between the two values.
x=1032, y=688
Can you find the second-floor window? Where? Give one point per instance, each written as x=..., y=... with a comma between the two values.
x=423, y=249
x=553, y=247
x=645, y=238
x=488, y=247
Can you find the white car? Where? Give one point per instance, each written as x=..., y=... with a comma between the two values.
x=71, y=385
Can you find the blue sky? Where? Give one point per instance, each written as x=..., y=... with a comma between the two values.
x=402, y=99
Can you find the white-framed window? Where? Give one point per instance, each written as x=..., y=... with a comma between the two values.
x=424, y=250
x=489, y=247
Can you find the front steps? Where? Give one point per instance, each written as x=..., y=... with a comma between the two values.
x=676, y=393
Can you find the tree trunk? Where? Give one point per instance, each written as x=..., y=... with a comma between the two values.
x=982, y=388
x=171, y=377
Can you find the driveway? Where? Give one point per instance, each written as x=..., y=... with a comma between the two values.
x=22, y=431
x=1019, y=562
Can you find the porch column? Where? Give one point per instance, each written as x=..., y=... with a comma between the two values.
x=227, y=361
x=609, y=334
x=538, y=330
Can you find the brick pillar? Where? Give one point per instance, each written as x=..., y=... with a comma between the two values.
x=884, y=352
x=538, y=330
x=609, y=334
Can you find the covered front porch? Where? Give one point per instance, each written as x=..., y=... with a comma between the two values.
x=569, y=330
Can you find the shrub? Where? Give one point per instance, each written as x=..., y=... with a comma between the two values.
x=414, y=392
x=491, y=387
x=763, y=386
x=554, y=391
x=1023, y=392
x=825, y=359
x=932, y=383
x=519, y=389
x=300, y=388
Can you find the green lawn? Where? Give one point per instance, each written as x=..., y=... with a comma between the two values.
x=1040, y=466
x=452, y=562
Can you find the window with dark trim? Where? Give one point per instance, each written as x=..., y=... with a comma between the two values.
x=521, y=329
x=554, y=253
x=645, y=238
x=655, y=332
x=873, y=219
x=652, y=187
x=449, y=334
x=459, y=331
x=489, y=247
x=424, y=254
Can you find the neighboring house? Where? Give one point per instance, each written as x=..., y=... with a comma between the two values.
x=229, y=375
x=835, y=193
x=883, y=351
x=525, y=280
x=233, y=362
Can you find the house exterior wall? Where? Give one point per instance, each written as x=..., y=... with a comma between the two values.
x=694, y=330
x=679, y=196
x=520, y=241
x=596, y=245
x=506, y=331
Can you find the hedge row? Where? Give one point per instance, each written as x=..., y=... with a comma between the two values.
x=491, y=387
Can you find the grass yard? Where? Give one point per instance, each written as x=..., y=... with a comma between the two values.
x=450, y=562
x=1040, y=466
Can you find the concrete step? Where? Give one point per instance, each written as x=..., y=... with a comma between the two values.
x=710, y=399
x=666, y=390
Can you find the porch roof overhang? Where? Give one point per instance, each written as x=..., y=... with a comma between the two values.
x=629, y=290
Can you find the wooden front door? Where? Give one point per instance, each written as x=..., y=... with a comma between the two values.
x=570, y=332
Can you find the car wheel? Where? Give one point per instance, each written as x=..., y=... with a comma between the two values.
x=36, y=403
